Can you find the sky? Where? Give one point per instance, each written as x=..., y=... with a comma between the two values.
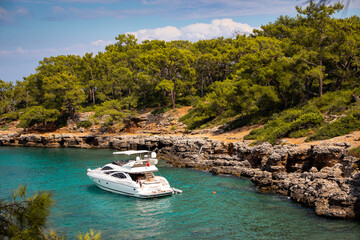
x=33, y=29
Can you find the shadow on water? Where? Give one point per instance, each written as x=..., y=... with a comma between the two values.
x=93, y=189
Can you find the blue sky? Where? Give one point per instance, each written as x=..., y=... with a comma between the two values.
x=33, y=29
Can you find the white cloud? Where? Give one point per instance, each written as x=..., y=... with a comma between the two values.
x=192, y=32
x=166, y=33
x=3, y=12
x=22, y=11
x=101, y=43
x=77, y=49
x=58, y=10
x=195, y=32
x=20, y=50
x=7, y=16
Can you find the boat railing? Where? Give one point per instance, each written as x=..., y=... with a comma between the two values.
x=144, y=162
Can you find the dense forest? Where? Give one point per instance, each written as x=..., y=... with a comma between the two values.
x=299, y=76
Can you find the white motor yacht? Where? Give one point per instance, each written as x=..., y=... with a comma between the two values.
x=133, y=175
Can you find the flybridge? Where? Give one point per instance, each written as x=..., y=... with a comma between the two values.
x=142, y=158
x=131, y=152
x=142, y=154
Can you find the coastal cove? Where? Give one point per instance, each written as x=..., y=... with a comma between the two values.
x=320, y=177
x=256, y=129
x=237, y=210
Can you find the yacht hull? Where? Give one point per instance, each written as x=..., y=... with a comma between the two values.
x=128, y=188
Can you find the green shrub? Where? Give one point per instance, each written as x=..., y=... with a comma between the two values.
x=301, y=133
x=159, y=111
x=38, y=114
x=244, y=120
x=115, y=111
x=355, y=152
x=293, y=122
x=22, y=124
x=11, y=116
x=62, y=120
x=84, y=124
x=186, y=116
x=198, y=116
x=90, y=108
x=341, y=126
x=23, y=217
x=334, y=102
x=184, y=101
x=4, y=128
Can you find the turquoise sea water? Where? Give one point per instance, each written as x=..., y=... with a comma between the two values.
x=236, y=211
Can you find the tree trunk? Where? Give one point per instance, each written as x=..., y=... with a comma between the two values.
x=187, y=87
x=172, y=92
x=321, y=79
x=202, y=85
x=93, y=95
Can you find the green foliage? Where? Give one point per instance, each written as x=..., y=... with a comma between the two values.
x=4, y=128
x=38, y=114
x=334, y=102
x=165, y=85
x=6, y=97
x=301, y=133
x=115, y=111
x=84, y=124
x=89, y=108
x=24, y=217
x=89, y=236
x=184, y=101
x=341, y=126
x=62, y=120
x=63, y=92
x=308, y=121
x=160, y=110
x=244, y=120
x=11, y=116
x=197, y=117
x=355, y=152
x=293, y=122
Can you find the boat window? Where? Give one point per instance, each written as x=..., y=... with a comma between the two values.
x=136, y=176
x=119, y=175
x=107, y=168
x=109, y=172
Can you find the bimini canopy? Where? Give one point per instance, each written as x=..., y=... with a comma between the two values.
x=131, y=152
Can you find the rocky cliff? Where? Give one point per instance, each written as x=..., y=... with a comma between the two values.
x=322, y=177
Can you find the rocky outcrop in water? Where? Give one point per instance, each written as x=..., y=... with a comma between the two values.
x=322, y=177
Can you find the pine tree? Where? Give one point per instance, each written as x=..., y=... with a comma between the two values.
x=24, y=217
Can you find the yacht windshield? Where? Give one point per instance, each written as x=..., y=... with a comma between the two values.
x=107, y=168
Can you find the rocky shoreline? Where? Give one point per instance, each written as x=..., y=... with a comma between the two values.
x=323, y=177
